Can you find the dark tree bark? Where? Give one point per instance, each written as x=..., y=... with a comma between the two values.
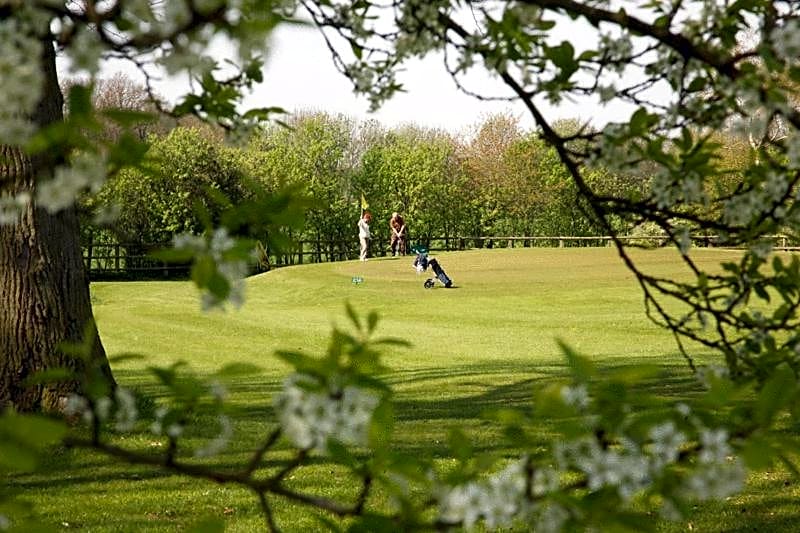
x=44, y=289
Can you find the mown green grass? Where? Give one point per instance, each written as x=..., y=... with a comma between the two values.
x=483, y=344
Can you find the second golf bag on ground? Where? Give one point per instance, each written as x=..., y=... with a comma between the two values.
x=422, y=262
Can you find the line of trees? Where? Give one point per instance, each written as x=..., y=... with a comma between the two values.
x=494, y=180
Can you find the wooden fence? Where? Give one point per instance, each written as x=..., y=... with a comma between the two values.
x=134, y=260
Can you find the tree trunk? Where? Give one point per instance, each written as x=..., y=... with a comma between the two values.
x=44, y=289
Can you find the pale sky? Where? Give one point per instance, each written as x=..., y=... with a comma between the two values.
x=300, y=75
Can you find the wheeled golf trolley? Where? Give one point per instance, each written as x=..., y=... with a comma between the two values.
x=421, y=264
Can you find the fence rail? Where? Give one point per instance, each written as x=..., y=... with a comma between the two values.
x=134, y=260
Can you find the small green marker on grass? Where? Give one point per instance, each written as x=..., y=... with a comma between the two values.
x=357, y=280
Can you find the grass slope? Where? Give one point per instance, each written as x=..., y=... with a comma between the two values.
x=480, y=345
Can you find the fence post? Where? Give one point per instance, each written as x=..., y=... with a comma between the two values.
x=116, y=257
x=560, y=242
x=89, y=251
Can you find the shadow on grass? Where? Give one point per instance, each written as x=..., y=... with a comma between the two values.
x=428, y=402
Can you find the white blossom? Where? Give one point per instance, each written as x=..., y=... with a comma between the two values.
x=462, y=504
x=105, y=215
x=670, y=511
x=709, y=373
x=87, y=171
x=12, y=207
x=174, y=430
x=684, y=241
x=618, y=48
x=761, y=249
x=220, y=441
x=607, y=92
x=77, y=405
x=714, y=446
x=717, y=480
x=627, y=470
x=85, y=52
x=793, y=149
x=544, y=481
x=576, y=396
x=217, y=246
x=786, y=39
x=180, y=60
x=175, y=15
x=499, y=500
x=743, y=208
x=157, y=427
x=127, y=413
x=21, y=80
x=310, y=418
x=666, y=444
x=218, y=391
x=142, y=10
x=102, y=408
x=15, y=130
x=551, y=518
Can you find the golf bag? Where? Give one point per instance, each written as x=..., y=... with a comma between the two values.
x=440, y=274
x=422, y=262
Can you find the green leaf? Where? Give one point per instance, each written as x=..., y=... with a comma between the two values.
x=203, y=270
x=353, y=316
x=254, y=70
x=51, y=375
x=372, y=321
x=24, y=437
x=126, y=357
x=758, y=452
x=380, y=430
x=358, y=50
x=341, y=454
x=15, y=457
x=777, y=392
x=238, y=369
x=761, y=292
x=459, y=444
x=720, y=392
x=392, y=341
x=264, y=113
x=80, y=100
x=171, y=255
x=563, y=56
x=697, y=84
x=128, y=151
x=299, y=361
x=640, y=122
x=370, y=523
x=790, y=466
x=128, y=117
x=582, y=368
x=327, y=523
x=218, y=285
x=506, y=416
x=166, y=376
